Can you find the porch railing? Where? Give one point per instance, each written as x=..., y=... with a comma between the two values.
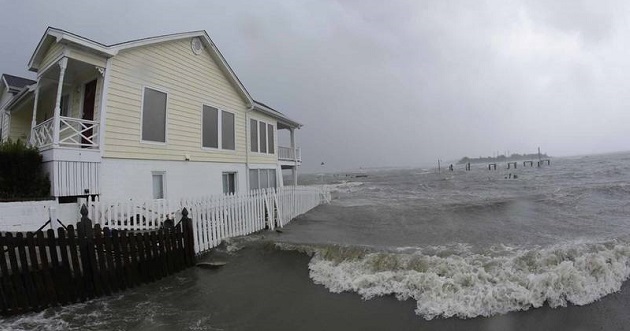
x=287, y=154
x=73, y=132
x=76, y=132
x=43, y=133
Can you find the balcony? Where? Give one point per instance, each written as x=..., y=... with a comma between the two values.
x=289, y=157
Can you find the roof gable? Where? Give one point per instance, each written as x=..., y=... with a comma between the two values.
x=209, y=46
x=53, y=35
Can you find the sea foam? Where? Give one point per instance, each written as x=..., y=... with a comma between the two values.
x=455, y=281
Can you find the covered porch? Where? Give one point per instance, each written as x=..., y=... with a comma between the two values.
x=289, y=155
x=65, y=110
x=59, y=115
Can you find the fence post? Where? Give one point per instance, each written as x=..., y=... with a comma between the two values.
x=85, y=238
x=189, y=240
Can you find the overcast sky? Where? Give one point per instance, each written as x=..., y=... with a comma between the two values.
x=393, y=83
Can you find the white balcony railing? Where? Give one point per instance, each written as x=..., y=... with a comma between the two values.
x=73, y=132
x=43, y=133
x=287, y=154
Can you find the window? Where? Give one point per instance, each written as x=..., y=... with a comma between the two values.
x=210, y=127
x=65, y=105
x=229, y=182
x=253, y=133
x=158, y=185
x=253, y=179
x=263, y=137
x=270, y=138
x=227, y=130
x=215, y=132
x=272, y=178
x=262, y=178
x=154, y=116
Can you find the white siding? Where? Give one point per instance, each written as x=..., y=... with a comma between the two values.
x=128, y=178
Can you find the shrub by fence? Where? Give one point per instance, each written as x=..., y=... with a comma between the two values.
x=40, y=269
x=21, y=173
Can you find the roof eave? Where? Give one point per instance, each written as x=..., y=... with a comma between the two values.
x=19, y=97
x=60, y=36
x=278, y=116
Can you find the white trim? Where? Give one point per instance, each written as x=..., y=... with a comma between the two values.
x=103, y=106
x=56, y=60
x=150, y=142
x=4, y=80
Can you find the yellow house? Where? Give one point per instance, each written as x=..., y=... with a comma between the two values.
x=160, y=117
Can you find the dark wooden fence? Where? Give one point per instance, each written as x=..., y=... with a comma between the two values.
x=43, y=269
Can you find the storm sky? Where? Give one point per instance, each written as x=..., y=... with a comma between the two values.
x=393, y=83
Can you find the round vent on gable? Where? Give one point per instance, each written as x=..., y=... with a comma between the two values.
x=196, y=46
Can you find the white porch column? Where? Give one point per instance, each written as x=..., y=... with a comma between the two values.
x=33, y=141
x=63, y=63
x=294, y=148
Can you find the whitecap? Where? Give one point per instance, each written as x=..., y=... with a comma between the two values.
x=455, y=281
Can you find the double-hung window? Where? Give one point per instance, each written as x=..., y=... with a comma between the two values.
x=154, y=116
x=217, y=129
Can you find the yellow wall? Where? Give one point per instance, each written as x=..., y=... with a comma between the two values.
x=190, y=81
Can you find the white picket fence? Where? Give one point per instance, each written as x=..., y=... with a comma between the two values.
x=215, y=218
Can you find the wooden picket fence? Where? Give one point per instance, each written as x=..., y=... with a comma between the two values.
x=38, y=270
x=214, y=218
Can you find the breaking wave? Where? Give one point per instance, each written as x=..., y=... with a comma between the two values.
x=457, y=281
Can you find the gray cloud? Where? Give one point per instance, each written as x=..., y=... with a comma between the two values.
x=396, y=84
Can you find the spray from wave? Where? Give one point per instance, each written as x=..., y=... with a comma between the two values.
x=455, y=281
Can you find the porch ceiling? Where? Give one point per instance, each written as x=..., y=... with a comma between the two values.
x=76, y=71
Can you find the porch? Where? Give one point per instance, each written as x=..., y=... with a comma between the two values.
x=60, y=116
x=289, y=157
x=65, y=110
x=289, y=154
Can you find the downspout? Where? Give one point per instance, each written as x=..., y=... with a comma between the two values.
x=247, y=142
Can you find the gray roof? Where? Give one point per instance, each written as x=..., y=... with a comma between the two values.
x=15, y=82
x=278, y=115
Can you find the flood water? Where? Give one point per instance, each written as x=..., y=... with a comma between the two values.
x=403, y=249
